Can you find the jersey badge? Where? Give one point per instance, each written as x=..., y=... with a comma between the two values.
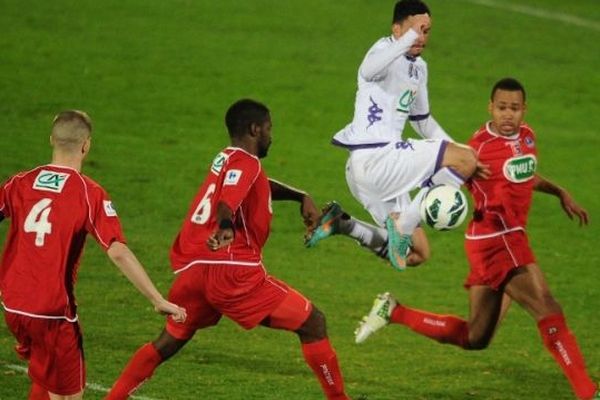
x=109, y=209
x=218, y=162
x=529, y=142
x=50, y=181
x=232, y=177
x=520, y=169
x=406, y=100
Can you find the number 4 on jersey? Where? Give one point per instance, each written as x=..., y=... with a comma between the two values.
x=37, y=221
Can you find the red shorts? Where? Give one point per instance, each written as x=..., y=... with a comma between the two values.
x=493, y=259
x=247, y=295
x=54, y=349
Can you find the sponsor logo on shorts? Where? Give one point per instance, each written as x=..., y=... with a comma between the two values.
x=520, y=169
x=50, y=181
x=232, y=177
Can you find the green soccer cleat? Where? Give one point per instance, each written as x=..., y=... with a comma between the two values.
x=328, y=224
x=378, y=317
x=398, y=245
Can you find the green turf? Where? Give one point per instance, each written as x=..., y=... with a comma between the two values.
x=157, y=76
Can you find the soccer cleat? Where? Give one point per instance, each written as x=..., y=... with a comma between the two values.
x=398, y=245
x=378, y=317
x=328, y=224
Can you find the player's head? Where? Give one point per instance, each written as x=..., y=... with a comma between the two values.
x=71, y=132
x=406, y=14
x=250, y=119
x=507, y=106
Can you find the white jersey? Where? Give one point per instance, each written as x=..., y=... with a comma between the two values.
x=392, y=88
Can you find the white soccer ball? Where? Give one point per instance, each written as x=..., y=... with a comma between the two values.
x=444, y=207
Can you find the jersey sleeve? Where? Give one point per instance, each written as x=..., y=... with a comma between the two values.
x=238, y=176
x=4, y=208
x=103, y=223
x=381, y=55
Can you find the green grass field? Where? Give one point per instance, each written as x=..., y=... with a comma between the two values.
x=157, y=77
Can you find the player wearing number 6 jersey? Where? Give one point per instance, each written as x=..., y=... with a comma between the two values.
x=52, y=208
x=217, y=257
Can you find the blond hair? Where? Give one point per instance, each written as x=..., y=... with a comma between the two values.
x=70, y=129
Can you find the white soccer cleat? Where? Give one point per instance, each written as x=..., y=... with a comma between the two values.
x=378, y=317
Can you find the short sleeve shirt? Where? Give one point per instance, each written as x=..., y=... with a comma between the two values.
x=51, y=210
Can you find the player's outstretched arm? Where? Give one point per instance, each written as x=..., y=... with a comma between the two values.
x=567, y=202
x=308, y=209
x=129, y=265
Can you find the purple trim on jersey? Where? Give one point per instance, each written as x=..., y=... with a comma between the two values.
x=456, y=174
x=440, y=156
x=420, y=117
x=358, y=146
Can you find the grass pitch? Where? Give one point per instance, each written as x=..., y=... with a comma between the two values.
x=157, y=77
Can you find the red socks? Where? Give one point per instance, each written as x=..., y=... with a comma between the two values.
x=443, y=328
x=561, y=343
x=38, y=393
x=321, y=358
x=139, y=369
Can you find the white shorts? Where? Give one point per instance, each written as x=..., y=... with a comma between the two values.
x=381, y=178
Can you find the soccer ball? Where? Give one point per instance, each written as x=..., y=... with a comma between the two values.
x=444, y=207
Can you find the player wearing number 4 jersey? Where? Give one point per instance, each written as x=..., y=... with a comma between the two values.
x=217, y=257
x=52, y=208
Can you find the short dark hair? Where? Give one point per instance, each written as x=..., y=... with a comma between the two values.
x=510, y=84
x=242, y=114
x=406, y=8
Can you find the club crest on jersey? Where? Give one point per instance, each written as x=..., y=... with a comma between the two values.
x=520, y=169
x=529, y=142
x=50, y=181
x=109, y=209
x=218, y=162
x=232, y=177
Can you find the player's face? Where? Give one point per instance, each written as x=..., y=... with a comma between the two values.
x=264, y=138
x=420, y=24
x=507, y=109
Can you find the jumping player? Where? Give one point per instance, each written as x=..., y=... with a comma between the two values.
x=382, y=168
x=52, y=208
x=217, y=257
x=501, y=260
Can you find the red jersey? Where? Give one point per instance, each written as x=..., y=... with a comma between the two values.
x=236, y=178
x=51, y=208
x=502, y=201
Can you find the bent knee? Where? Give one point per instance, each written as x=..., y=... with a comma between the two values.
x=314, y=328
x=461, y=158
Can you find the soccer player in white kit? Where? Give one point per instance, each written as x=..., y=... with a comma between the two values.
x=382, y=168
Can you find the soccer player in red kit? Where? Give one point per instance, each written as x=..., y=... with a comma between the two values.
x=52, y=208
x=501, y=260
x=217, y=257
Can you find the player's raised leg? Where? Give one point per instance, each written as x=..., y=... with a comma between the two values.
x=458, y=163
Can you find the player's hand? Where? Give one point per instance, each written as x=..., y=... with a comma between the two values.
x=310, y=213
x=572, y=208
x=220, y=238
x=420, y=22
x=164, y=307
x=482, y=171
